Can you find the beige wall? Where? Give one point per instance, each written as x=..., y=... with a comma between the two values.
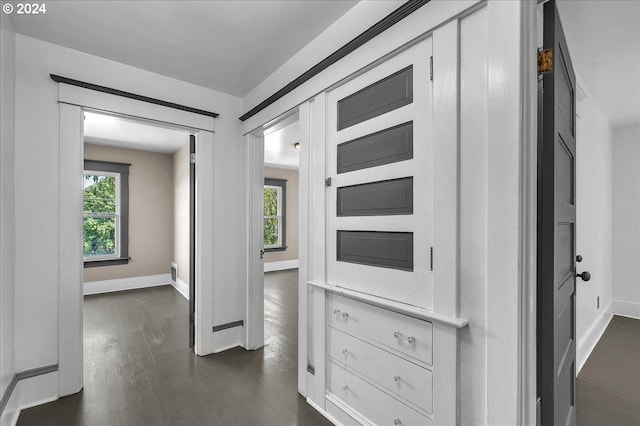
x=150, y=212
x=181, y=211
x=291, y=253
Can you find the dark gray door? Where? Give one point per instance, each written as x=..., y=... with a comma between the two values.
x=556, y=229
x=192, y=241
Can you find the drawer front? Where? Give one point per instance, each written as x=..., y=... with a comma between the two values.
x=380, y=408
x=410, y=336
x=402, y=377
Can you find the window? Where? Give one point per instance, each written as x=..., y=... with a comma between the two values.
x=274, y=214
x=105, y=213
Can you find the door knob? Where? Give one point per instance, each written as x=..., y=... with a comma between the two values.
x=579, y=258
x=586, y=276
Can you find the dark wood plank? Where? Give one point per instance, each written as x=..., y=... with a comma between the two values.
x=608, y=386
x=140, y=371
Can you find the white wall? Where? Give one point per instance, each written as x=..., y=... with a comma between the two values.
x=594, y=222
x=37, y=153
x=181, y=211
x=7, y=212
x=626, y=220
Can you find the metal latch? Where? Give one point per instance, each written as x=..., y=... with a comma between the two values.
x=193, y=158
x=327, y=181
x=545, y=61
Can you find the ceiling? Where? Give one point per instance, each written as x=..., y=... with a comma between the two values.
x=229, y=46
x=278, y=147
x=232, y=46
x=119, y=132
x=604, y=43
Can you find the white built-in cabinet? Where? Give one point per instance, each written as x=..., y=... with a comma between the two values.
x=382, y=251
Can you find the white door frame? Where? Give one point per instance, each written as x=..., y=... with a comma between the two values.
x=72, y=101
x=253, y=145
x=253, y=157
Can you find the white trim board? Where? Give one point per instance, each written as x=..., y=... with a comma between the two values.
x=280, y=266
x=107, y=286
x=31, y=392
x=181, y=287
x=626, y=309
x=592, y=337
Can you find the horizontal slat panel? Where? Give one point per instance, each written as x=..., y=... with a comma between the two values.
x=387, y=146
x=383, y=249
x=391, y=197
x=382, y=96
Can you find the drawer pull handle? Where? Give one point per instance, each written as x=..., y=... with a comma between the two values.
x=345, y=388
x=410, y=339
x=397, y=422
x=338, y=313
x=397, y=378
x=345, y=352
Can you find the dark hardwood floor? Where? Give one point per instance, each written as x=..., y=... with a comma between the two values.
x=608, y=386
x=139, y=371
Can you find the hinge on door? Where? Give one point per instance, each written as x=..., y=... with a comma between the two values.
x=431, y=68
x=545, y=61
x=327, y=181
x=192, y=158
x=431, y=258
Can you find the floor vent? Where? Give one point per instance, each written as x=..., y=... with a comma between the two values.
x=174, y=271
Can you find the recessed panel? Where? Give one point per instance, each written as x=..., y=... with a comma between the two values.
x=564, y=253
x=387, y=146
x=565, y=95
x=564, y=332
x=382, y=249
x=390, y=197
x=565, y=394
x=379, y=98
x=564, y=172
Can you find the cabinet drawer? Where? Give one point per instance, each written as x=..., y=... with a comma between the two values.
x=374, y=404
x=402, y=377
x=410, y=336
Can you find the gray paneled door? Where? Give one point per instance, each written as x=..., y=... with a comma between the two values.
x=556, y=230
x=380, y=199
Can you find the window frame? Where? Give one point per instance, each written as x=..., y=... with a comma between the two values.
x=281, y=186
x=121, y=172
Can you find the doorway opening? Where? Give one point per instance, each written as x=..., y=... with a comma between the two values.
x=280, y=233
x=138, y=221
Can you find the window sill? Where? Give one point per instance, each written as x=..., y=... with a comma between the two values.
x=106, y=262
x=282, y=248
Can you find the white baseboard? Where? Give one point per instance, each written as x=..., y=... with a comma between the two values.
x=626, y=309
x=182, y=287
x=227, y=339
x=324, y=413
x=591, y=337
x=107, y=286
x=280, y=266
x=32, y=392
